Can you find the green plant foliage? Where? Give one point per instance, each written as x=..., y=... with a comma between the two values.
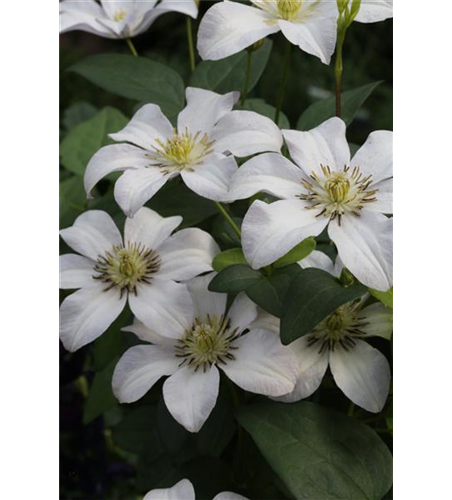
x=78, y=113
x=261, y=107
x=228, y=258
x=300, y=252
x=386, y=298
x=72, y=200
x=233, y=279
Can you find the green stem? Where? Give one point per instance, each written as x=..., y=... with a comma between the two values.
x=351, y=410
x=191, y=49
x=282, y=86
x=248, y=74
x=229, y=219
x=132, y=47
x=338, y=68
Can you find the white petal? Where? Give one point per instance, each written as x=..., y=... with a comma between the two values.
x=266, y=321
x=324, y=145
x=363, y=374
x=187, y=254
x=318, y=260
x=146, y=334
x=94, y=233
x=365, y=247
x=270, y=173
x=270, y=231
x=311, y=369
x=191, y=396
x=188, y=7
x=147, y=125
x=204, y=109
x=242, y=313
x=183, y=490
x=229, y=27
x=384, y=201
x=75, y=271
x=114, y=158
x=262, y=364
x=228, y=495
x=375, y=157
x=87, y=313
x=204, y=301
x=378, y=319
x=212, y=178
x=135, y=187
x=83, y=15
x=140, y=368
x=245, y=133
x=315, y=33
x=149, y=228
x=373, y=11
x=163, y=306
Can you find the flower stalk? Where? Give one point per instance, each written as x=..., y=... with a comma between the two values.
x=228, y=218
x=282, y=87
x=248, y=75
x=191, y=50
x=132, y=47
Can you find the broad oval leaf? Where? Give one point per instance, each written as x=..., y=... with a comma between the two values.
x=234, y=279
x=136, y=78
x=320, y=111
x=229, y=73
x=300, y=252
x=313, y=295
x=88, y=137
x=319, y=453
x=228, y=258
x=269, y=292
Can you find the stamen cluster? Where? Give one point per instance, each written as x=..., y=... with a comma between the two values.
x=288, y=9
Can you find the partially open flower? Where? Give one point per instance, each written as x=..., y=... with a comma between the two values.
x=212, y=337
x=184, y=490
x=143, y=269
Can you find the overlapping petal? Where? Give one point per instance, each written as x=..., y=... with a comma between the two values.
x=76, y=271
x=373, y=11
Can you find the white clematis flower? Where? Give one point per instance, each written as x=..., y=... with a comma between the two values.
x=324, y=188
x=373, y=11
x=229, y=27
x=143, y=269
x=211, y=338
x=198, y=150
x=361, y=372
x=184, y=490
x=118, y=18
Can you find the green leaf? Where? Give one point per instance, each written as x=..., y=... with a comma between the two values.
x=100, y=397
x=228, y=258
x=261, y=107
x=78, y=113
x=88, y=137
x=269, y=292
x=320, y=111
x=72, y=200
x=319, y=454
x=313, y=295
x=386, y=298
x=234, y=279
x=229, y=73
x=300, y=252
x=136, y=78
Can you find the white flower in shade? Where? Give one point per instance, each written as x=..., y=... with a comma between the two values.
x=229, y=27
x=373, y=11
x=118, y=18
x=143, y=269
x=211, y=338
x=184, y=490
x=207, y=129
x=324, y=188
x=359, y=370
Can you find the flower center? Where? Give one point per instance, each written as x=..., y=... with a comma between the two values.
x=337, y=193
x=126, y=266
x=342, y=326
x=181, y=151
x=288, y=9
x=119, y=15
x=208, y=342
